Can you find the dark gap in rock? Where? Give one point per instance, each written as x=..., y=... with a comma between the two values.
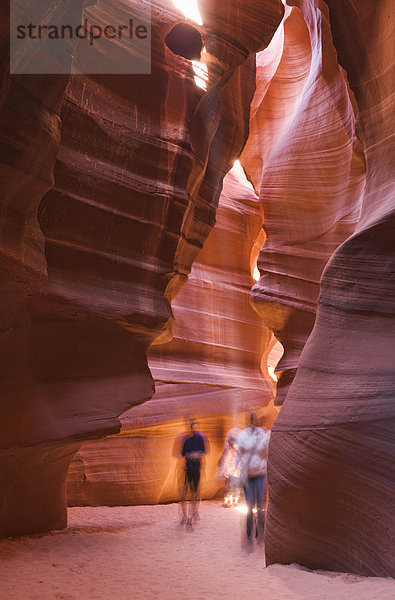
x=185, y=41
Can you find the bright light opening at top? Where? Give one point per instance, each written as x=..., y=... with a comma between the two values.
x=239, y=171
x=274, y=356
x=201, y=72
x=190, y=9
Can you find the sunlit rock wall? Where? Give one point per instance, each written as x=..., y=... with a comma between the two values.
x=210, y=370
x=137, y=180
x=331, y=460
x=306, y=163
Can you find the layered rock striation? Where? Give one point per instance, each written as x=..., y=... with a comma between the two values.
x=33, y=469
x=138, y=174
x=307, y=165
x=111, y=186
x=209, y=371
x=331, y=461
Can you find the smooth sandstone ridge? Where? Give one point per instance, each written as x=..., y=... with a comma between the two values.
x=307, y=165
x=99, y=242
x=209, y=371
x=331, y=460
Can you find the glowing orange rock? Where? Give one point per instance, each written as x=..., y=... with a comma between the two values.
x=211, y=370
x=331, y=459
x=137, y=180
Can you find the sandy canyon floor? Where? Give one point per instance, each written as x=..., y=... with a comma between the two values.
x=142, y=553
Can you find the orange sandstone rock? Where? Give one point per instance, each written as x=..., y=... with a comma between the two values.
x=306, y=163
x=331, y=461
x=210, y=370
x=137, y=180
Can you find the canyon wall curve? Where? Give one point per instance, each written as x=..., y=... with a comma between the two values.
x=127, y=262
x=331, y=460
x=124, y=198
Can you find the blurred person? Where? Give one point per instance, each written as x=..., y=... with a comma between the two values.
x=193, y=449
x=229, y=468
x=252, y=452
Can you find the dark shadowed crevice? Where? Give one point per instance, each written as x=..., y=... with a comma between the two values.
x=184, y=40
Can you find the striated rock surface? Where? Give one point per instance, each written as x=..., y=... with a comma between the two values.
x=32, y=497
x=97, y=245
x=307, y=165
x=137, y=180
x=332, y=451
x=211, y=370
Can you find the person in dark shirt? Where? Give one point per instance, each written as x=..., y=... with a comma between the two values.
x=194, y=448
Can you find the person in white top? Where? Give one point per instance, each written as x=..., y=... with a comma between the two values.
x=253, y=445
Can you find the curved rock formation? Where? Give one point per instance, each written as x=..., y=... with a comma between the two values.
x=303, y=157
x=211, y=370
x=137, y=180
x=88, y=277
x=32, y=497
x=332, y=451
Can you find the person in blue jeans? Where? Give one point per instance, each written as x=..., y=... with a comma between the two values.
x=252, y=453
x=255, y=495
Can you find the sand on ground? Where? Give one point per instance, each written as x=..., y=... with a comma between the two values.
x=143, y=553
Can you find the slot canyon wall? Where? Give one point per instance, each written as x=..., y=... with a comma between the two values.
x=98, y=243
x=331, y=459
x=210, y=371
x=32, y=468
x=111, y=188
x=307, y=165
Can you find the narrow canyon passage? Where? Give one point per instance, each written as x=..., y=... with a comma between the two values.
x=196, y=230
x=142, y=553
